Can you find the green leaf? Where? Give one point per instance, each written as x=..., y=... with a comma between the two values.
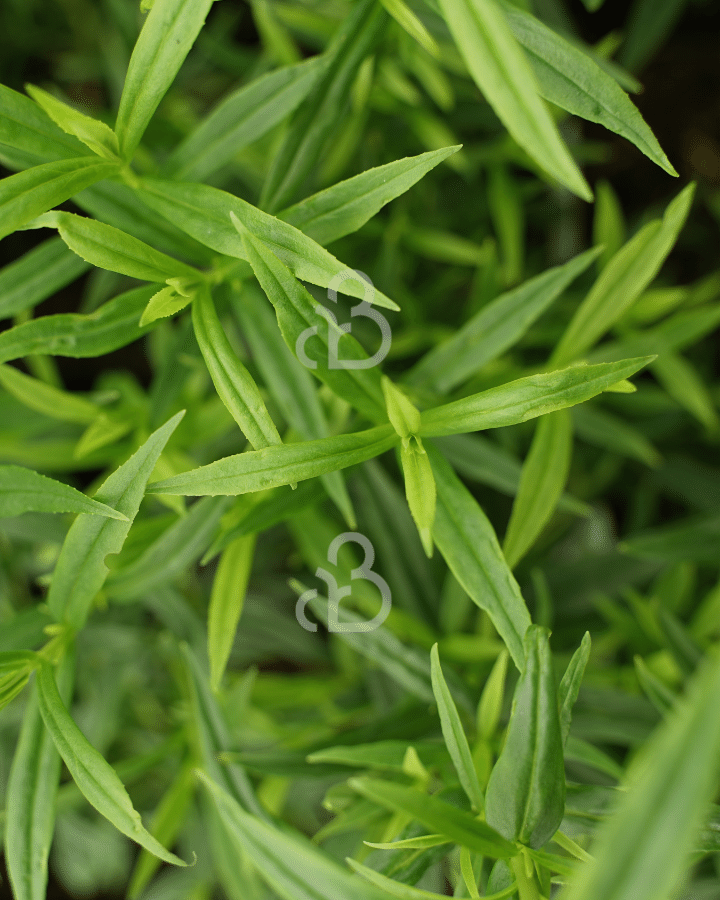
x=346, y=206
x=378, y=755
x=167, y=302
x=28, y=137
x=684, y=384
x=213, y=739
x=669, y=788
x=525, y=797
x=603, y=429
x=173, y=552
x=93, y=133
x=27, y=194
x=299, y=316
x=569, y=686
x=80, y=571
x=46, y=398
x=608, y=222
x=694, y=538
x=226, y=603
x=234, y=384
x=526, y=398
x=23, y=490
x=95, y=778
x=407, y=19
x=622, y=280
x=542, y=482
x=649, y=24
x=406, y=891
x=503, y=73
x=420, y=489
x=289, y=383
x=112, y=325
x=203, y=212
x=16, y=667
x=241, y=118
x=573, y=81
x=442, y=818
x=466, y=539
x=317, y=118
x=404, y=417
x=37, y=275
x=109, y=248
x=165, y=40
x=31, y=791
x=291, y=865
x=257, y=470
x=495, y=328
x=454, y=735
x=491, y=700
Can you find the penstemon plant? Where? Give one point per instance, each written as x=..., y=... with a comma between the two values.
x=345, y=363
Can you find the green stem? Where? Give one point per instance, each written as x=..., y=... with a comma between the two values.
x=527, y=886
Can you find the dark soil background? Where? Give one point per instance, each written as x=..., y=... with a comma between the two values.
x=680, y=102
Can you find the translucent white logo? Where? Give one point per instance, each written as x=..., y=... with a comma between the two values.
x=336, y=593
x=335, y=331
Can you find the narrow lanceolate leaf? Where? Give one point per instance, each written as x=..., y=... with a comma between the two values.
x=525, y=797
x=466, y=539
x=178, y=548
x=165, y=40
x=80, y=571
x=502, y=72
x=569, y=686
x=31, y=791
x=573, y=81
x=317, y=118
x=234, y=384
x=527, y=398
x=496, y=327
x=37, y=275
x=226, y=603
x=95, y=778
x=212, y=736
x=622, y=280
x=256, y=470
x=23, y=490
x=407, y=19
x=93, y=133
x=241, y=118
x=289, y=383
x=314, y=337
x=454, y=735
x=203, y=212
x=345, y=207
x=167, y=302
x=109, y=248
x=685, y=385
x=112, y=325
x=643, y=848
x=27, y=194
x=420, y=489
x=437, y=815
x=46, y=398
x=289, y=863
x=541, y=484
x=28, y=137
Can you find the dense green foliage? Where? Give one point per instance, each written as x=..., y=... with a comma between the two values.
x=334, y=284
